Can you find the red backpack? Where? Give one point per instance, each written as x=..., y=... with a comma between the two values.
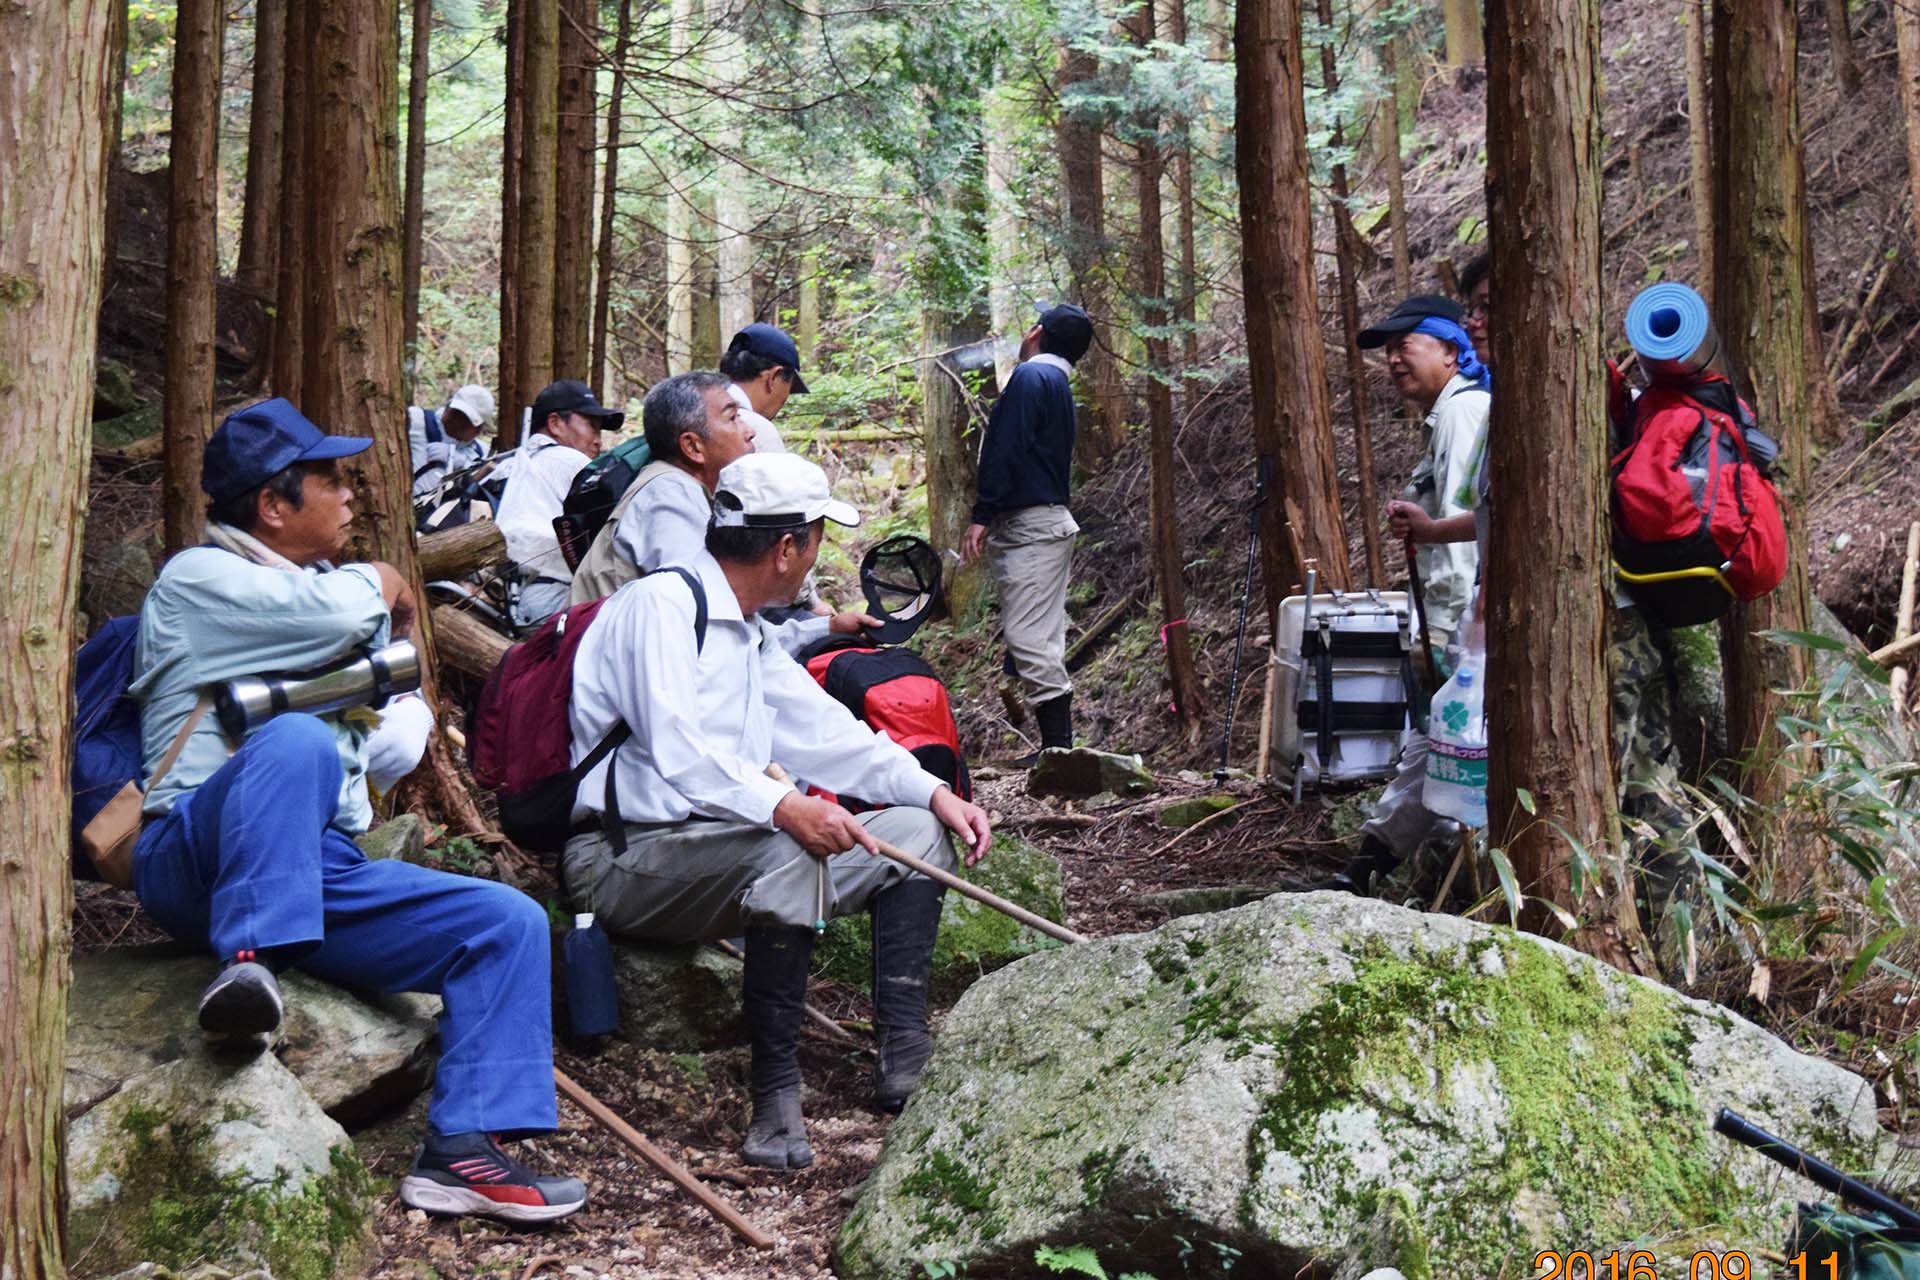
x=1696, y=519
x=519, y=734
x=894, y=692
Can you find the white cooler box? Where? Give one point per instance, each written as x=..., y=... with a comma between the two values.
x=1343, y=687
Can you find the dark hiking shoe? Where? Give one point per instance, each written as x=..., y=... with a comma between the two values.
x=1374, y=863
x=240, y=1009
x=777, y=1137
x=468, y=1173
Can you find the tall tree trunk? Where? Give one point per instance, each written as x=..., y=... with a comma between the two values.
x=1547, y=692
x=260, y=219
x=1846, y=68
x=413, y=216
x=1465, y=43
x=573, y=193
x=290, y=288
x=1292, y=420
x=1906, y=33
x=1003, y=225
x=683, y=218
x=115, y=112
x=1824, y=420
x=1699, y=148
x=193, y=267
x=536, y=233
x=732, y=207
x=1163, y=514
x=1760, y=274
x=1392, y=55
x=1344, y=255
x=513, y=396
x=1187, y=293
x=952, y=442
x=56, y=97
x=609, y=191
x=807, y=323
x=1078, y=140
x=353, y=376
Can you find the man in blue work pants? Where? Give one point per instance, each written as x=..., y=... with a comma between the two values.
x=249, y=852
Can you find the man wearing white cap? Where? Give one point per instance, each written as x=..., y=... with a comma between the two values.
x=448, y=441
x=682, y=835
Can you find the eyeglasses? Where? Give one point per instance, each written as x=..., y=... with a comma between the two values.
x=1478, y=311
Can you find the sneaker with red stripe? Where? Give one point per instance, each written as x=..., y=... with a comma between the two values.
x=469, y=1173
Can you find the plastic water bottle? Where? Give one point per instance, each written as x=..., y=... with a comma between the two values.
x=593, y=999
x=1456, y=785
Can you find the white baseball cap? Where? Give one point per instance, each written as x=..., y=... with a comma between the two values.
x=475, y=402
x=776, y=491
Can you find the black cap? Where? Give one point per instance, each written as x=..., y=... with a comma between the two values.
x=1421, y=306
x=901, y=580
x=770, y=343
x=1068, y=326
x=570, y=396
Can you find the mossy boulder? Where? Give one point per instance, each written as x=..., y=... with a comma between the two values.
x=203, y=1161
x=974, y=939
x=114, y=394
x=403, y=836
x=1181, y=814
x=1082, y=773
x=1327, y=1082
x=128, y=429
x=677, y=998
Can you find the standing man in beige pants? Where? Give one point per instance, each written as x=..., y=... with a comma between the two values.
x=1020, y=517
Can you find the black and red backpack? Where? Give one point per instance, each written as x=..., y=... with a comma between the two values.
x=1696, y=519
x=893, y=691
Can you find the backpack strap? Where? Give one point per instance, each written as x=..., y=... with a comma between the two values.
x=611, y=825
x=179, y=742
x=432, y=420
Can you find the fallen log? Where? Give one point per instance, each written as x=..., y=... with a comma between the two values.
x=1903, y=618
x=465, y=643
x=1102, y=627
x=456, y=552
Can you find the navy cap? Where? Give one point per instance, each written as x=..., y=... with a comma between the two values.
x=1069, y=328
x=258, y=442
x=1421, y=306
x=571, y=396
x=770, y=343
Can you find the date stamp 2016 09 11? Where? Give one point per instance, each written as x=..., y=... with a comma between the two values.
x=1641, y=1265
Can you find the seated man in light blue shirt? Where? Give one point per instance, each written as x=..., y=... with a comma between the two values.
x=248, y=848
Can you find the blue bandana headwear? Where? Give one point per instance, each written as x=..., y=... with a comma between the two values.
x=1470, y=365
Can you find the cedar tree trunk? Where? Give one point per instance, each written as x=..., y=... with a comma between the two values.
x=513, y=396
x=609, y=188
x=1078, y=139
x=413, y=217
x=193, y=269
x=290, y=290
x=573, y=193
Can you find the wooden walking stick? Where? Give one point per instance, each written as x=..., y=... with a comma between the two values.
x=1420, y=610
x=974, y=891
x=660, y=1160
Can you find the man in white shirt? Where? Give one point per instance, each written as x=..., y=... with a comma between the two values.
x=682, y=834
x=762, y=365
x=448, y=441
x=567, y=422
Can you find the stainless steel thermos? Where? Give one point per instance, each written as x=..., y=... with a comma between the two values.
x=366, y=680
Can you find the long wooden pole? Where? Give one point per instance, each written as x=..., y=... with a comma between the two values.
x=660, y=1160
x=1903, y=620
x=979, y=895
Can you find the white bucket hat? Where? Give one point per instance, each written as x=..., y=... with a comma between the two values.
x=776, y=491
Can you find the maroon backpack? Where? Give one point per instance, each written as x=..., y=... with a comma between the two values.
x=519, y=735
x=893, y=691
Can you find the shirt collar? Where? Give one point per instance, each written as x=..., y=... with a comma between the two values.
x=1455, y=385
x=1058, y=362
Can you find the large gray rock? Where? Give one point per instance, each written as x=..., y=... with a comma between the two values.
x=1082, y=773
x=134, y=1009
x=403, y=836
x=1277, y=1078
x=679, y=999
x=200, y=1161
x=974, y=939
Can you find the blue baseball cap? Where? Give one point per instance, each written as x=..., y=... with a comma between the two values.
x=770, y=343
x=258, y=442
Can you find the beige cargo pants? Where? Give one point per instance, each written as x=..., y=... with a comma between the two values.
x=1029, y=552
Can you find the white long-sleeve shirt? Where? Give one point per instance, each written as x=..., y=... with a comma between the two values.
x=543, y=471
x=1443, y=485
x=666, y=524
x=707, y=722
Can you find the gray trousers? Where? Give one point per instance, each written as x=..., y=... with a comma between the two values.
x=1029, y=552
x=1401, y=820
x=701, y=880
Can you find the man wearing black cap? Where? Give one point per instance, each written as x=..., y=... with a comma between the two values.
x=1020, y=516
x=567, y=422
x=763, y=364
x=249, y=851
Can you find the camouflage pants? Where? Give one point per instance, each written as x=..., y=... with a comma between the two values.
x=1642, y=720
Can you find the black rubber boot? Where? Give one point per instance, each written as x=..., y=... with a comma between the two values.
x=775, y=996
x=1056, y=721
x=1374, y=863
x=906, y=919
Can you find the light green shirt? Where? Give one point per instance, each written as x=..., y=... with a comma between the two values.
x=214, y=616
x=1442, y=486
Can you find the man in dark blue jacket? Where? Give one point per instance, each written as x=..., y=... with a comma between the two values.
x=1021, y=519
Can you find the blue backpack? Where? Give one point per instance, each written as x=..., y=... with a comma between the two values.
x=106, y=727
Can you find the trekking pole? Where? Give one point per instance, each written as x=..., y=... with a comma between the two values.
x=660, y=1160
x=1246, y=596
x=1813, y=1169
x=982, y=896
x=1420, y=610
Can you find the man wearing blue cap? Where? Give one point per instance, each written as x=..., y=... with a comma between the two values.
x=1020, y=515
x=247, y=848
x=763, y=365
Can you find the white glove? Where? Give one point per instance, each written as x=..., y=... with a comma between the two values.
x=395, y=748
